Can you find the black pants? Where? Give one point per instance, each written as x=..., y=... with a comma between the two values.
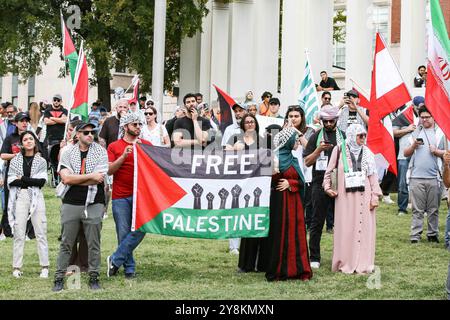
x=389, y=183
x=321, y=203
x=330, y=218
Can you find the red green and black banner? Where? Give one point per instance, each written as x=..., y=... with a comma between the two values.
x=182, y=193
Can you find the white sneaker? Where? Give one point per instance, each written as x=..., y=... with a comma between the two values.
x=27, y=238
x=2, y=237
x=44, y=273
x=388, y=200
x=315, y=265
x=410, y=206
x=234, y=251
x=17, y=273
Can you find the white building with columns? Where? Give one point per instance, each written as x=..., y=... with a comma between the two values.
x=240, y=47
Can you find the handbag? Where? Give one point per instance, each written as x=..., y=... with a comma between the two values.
x=334, y=174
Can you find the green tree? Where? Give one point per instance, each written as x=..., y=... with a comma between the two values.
x=117, y=33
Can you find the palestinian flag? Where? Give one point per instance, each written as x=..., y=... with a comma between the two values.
x=79, y=99
x=135, y=84
x=226, y=104
x=404, y=118
x=69, y=52
x=213, y=196
x=437, y=94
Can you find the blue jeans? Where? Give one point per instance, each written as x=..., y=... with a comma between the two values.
x=447, y=230
x=128, y=240
x=403, y=195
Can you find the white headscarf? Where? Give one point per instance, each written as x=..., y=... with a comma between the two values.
x=368, y=160
x=352, y=131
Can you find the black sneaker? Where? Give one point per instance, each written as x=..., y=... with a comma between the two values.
x=94, y=283
x=112, y=269
x=58, y=285
x=130, y=275
x=414, y=241
x=433, y=239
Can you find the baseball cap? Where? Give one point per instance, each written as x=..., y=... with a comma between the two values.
x=274, y=101
x=242, y=106
x=353, y=93
x=57, y=96
x=418, y=100
x=22, y=115
x=83, y=125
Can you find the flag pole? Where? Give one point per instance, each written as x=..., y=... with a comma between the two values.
x=63, y=33
x=74, y=84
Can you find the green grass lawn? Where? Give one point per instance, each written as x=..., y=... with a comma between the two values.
x=181, y=268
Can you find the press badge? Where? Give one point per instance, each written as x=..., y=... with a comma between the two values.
x=354, y=179
x=322, y=162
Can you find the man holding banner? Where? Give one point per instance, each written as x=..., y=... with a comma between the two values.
x=121, y=166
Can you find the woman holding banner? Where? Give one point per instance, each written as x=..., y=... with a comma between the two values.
x=288, y=249
x=356, y=199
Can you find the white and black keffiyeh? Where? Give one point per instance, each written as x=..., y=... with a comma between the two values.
x=130, y=117
x=282, y=137
x=368, y=165
x=38, y=171
x=96, y=161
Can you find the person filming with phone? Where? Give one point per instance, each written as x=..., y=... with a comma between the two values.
x=190, y=131
x=317, y=154
x=351, y=112
x=425, y=177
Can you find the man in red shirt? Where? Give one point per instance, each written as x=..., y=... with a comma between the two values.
x=121, y=166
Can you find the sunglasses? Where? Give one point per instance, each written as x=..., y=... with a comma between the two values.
x=56, y=100
x=327, y=99
x=136, y=124
x=149, y=103
x=90, y=132
x=362, y=135
x=329, y=121
x=148, y=113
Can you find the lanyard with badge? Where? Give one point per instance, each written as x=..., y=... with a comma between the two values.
x=355, y=179
x=322, y=161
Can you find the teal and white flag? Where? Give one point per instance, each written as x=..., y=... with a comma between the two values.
x=308, y=95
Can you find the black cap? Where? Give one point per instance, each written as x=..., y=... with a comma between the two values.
x=274, y=101
x=6, y=104
x=83, y=125
x=353, y=93
x=22, y=115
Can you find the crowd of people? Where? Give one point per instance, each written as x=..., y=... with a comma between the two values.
x=323, y=173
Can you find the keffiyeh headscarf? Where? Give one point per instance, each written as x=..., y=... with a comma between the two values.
x=127, y=119
x=368, y=160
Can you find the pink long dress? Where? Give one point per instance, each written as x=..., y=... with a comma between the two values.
x=354, y=222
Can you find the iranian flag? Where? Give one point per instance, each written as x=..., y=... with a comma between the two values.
x=69, y=52
x=79, y=99
x=213, y=196
x=437, y=94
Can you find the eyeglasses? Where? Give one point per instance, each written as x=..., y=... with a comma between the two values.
x=425, y=117
x=90, y=132
x=136, y=124
x=361, y=135
x=148, y=113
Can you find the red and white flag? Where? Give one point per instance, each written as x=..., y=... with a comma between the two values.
x=135, y=84
x=388, y=93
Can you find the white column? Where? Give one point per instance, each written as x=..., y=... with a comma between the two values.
x=241, y=51
x=293, y=49
x=266, y=47
x=189, y=66
x=413, y=39
x=359, y=40
x=205, y=86
x=7, y=88
x=219, y=47
x=320, y=36
x=159, y=46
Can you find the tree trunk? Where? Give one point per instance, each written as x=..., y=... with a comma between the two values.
x=103, y=81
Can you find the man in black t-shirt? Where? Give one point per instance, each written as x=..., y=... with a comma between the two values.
x=317, y=154
x=55, y=118
x=191, y=131
x=83, y=170
x=327, y=84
